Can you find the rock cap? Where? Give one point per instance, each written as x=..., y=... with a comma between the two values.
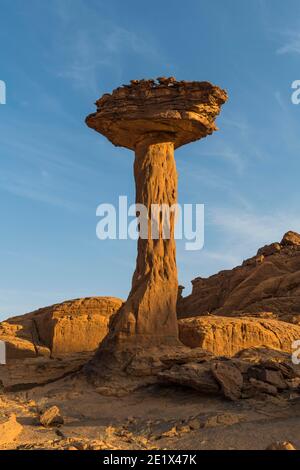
x=166, y=109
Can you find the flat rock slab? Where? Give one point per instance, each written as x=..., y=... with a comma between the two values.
x=23, y=374
x=196, y=376
x=272, y=377
x=230, y=379
x=263, y=387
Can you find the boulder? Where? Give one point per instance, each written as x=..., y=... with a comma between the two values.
x=222, y=419
x=229, y=377
x=291, y=239
x=193, y=375
x=262, y=387
x=272, y=377
x=251, y=373
x=281, y=446
x=268, y=250
x=9, y=429
x=226, y=336
x=51, y=417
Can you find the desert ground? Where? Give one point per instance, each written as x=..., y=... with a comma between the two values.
x=154, y=417
x=231, y=385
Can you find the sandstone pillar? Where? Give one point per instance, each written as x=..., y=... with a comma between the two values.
x=149, y=314
x=152, y=119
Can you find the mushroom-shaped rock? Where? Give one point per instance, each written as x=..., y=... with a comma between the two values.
x=152, y=119
x=174, y=112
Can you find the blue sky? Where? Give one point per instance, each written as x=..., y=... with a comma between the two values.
x=59, y=56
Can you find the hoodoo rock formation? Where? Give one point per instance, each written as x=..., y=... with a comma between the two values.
x=152, y=119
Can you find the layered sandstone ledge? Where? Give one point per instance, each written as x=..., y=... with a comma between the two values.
x=227, y=336
x=185, y=110
x=69, y=327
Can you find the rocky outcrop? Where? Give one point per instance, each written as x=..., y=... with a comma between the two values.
x=50, y=343
x=291, y=239
x=152, y=118
x=76, y=325
x=53, y=342
x=21, y=338
x=226, y=336
x=27, y=373
x=253, y=374
x=9, y=429
x=268, y=282
x=66, y=328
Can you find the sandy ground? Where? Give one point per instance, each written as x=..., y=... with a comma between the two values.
x=154, y=417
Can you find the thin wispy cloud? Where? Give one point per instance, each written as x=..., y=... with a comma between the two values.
x=223, y=259
x=120, y=39
x=82, y=63
x=98, y=47
x=212, y=180
x=292, y=44
x=236, y=123
x=43, y=170
x=234, y=157
x=252, y=229
x=35, y=190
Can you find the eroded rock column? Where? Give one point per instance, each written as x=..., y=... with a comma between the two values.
x=152, y=118
x=148, y=317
